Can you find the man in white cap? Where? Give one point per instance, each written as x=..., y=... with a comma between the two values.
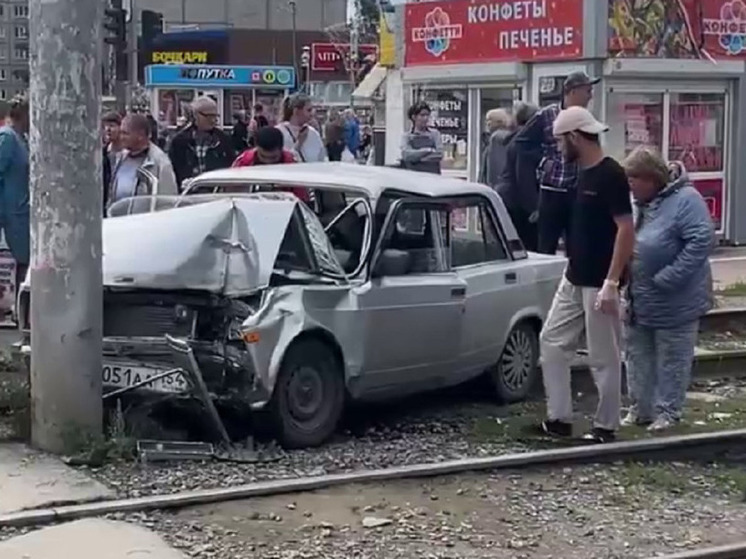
x=601, y=242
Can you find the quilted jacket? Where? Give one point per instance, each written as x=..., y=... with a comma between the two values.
x=671, y=279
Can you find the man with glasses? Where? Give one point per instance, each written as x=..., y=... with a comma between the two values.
x=201, y=146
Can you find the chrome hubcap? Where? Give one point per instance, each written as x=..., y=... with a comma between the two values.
x=517, y=360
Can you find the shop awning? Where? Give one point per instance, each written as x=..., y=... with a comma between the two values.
x=371, y=82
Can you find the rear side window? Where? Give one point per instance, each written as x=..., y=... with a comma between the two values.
x=475, y=238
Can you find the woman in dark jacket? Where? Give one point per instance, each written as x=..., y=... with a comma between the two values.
x=334, y=137
x=518, y=185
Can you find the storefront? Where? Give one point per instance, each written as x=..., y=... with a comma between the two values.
x=673, y=76
x=233, y=88
x=671, y=81
x=466, y=57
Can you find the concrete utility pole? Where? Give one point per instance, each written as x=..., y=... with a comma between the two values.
x=355, y=45
x=132, y=52
x=66, y=212
x=294, y=14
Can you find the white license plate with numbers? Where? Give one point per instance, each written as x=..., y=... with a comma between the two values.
x=122, y=375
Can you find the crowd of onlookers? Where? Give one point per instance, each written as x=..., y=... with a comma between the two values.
x=140, y=161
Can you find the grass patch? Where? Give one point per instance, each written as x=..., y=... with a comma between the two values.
x=515, y=425
x=737, y=289
x=15, y=406
x=681, y=478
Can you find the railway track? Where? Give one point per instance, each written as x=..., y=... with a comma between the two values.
x=734, y=551
x=698, y=446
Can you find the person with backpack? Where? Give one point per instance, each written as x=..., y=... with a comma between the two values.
x=557, y=175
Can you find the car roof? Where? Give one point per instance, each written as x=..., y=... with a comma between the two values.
x=371, y=179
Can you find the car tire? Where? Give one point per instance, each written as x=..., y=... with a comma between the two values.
x=517, y=371
x=309, y=395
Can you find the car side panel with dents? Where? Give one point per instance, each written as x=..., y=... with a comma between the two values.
x=288, y=313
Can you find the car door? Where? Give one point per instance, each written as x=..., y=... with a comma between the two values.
x=481, y=259
x=412, y=304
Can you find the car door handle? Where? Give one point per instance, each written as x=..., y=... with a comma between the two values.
x=511, y=277
x=458, y=292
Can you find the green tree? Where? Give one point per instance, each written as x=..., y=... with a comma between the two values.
x=370, y=16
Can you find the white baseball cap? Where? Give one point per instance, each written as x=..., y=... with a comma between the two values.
x=573, y=119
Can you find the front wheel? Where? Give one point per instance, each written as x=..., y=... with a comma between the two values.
x=309, y=395
x=517, y=370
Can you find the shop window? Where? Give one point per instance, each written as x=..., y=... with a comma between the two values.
x=450, y=116
x=271, y=100
x=489, y=99
x=550, y=90
x=172, y=104
x=634, y=120
x=697, y=131
x=235, y=101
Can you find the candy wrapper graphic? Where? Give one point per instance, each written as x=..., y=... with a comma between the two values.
x=437, y=43
x=735, y=14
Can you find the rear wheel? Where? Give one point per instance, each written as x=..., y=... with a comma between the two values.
x=517, y=370
x=309, y=395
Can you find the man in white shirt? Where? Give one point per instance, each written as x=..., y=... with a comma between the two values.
x=299, y=136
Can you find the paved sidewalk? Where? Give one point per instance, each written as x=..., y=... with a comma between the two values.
x=89, y=539
x=31, y=479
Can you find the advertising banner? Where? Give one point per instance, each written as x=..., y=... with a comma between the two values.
x=329, y=57
x=468, y=31
x=193, y=76
x=713, y=29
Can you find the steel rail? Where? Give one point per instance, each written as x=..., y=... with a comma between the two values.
x=647, y=449
x=734, y=551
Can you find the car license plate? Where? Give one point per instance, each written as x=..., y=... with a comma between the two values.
x=124, y=376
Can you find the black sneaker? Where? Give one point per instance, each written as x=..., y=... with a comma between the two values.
x=599, y=436
x=556, y=428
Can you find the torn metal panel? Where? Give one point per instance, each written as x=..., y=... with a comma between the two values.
x=211, y=247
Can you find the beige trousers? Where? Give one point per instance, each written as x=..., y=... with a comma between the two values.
x=573, y=313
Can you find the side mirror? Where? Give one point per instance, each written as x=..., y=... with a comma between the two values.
x=392, y=262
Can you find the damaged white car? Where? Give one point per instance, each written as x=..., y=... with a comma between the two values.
x=384, y=283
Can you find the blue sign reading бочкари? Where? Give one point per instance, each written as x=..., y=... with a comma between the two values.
x=216, y=77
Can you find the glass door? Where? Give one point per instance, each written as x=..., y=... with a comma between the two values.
x=684, y=123
x=487, y=99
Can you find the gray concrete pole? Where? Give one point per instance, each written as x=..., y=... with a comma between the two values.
x=66, y=211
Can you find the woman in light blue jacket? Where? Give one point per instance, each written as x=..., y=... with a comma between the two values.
x=670, y=287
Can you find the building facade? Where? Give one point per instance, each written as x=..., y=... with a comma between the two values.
x=310, y=15
x=14, y=48
x=673, y=76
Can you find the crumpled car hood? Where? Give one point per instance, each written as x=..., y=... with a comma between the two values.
x=226, y=246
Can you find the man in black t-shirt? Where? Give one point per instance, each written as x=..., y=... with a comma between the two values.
x=587, y=299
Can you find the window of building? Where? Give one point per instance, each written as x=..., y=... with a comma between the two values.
x=3, y=94
x=2, y=10
x=474, y=238
x=450, y=116
x=635, y=119
x=3, y=32
x=20, y=11
x=20, y=32
x=20, y=53
x=3, y=74
x=21, y=75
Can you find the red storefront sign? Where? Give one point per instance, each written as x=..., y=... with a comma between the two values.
x=330, y=57
x=458, y=31
x=678, y=28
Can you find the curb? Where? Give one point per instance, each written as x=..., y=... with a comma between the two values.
x=576, y=455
